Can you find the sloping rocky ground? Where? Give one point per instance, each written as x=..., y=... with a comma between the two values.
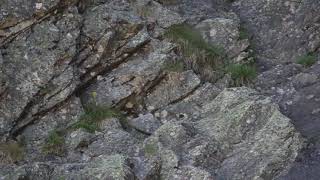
x=96, y=90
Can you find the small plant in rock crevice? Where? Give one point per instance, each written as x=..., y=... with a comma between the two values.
x=307, y=60
x=55, y=143
x=198, y=54
x=13, y=151
x=94, y=114
x=241, y=74
x=173, y=66
x=243, y=33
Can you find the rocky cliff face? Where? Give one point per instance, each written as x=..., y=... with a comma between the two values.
x=146, y=89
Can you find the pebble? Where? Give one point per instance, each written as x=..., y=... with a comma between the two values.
x=39, y=6
x=310, y=96
x=316, y=111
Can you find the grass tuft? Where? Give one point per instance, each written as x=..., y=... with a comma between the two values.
x=93, y=116
x=173, y=66
x=13, y=151
x=243, y=33
x=307, y=60
x=198, y=53
x=241, y=74
x=55, y=143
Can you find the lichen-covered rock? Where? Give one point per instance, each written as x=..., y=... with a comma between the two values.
x=58, y=58
x=115, y=167
x=145, y=123
x=253, y=131
x=174, y=87
x=78, y=138
x=105, y=167
x=283, y=30
x=115, y=141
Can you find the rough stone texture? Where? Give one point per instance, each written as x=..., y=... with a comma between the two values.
x=102, y=167
x=283, y=30
x=145, y=123
x=296, y=90
x=252, y=131
x=58, y=57
x=225, y=33
x=172, y=88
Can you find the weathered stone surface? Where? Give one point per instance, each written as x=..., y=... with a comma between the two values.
x=130, y=78
x=112, y=142
x=113, y=53
x=283, y=30
x=174, y=87
x=252, y=130
x=112, y=167
x=78, y=138
x=189, y=108
x=145, y=123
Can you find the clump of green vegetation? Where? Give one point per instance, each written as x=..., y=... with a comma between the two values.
x=173, y=66
x=195, y=49
x=151, y=148
x=55, y=143
x=93, y=116
x=13, y=151
x=243, y=33
x=307, y=60
x=241, y=74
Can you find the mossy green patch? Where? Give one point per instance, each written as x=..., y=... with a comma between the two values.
x=194, y=47
x=243, y=33
x=93, y=116
x=151, y=148
x=13, y=150
x=173, y=66
x=241, y=73
x=54, y=144
x=307, y=60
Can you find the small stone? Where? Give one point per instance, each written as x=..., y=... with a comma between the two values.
x=316, y=111
x=92, y=74
x=280, y=91
x=157, y=114
x=164, y=114
x=289, y=103
x=39, y=6
x=150, y=108
x=129, y=105
x=145, y=123
x=310, y=96
x=99, y=78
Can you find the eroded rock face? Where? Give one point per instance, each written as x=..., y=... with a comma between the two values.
x=283, y=30
x=58, y=58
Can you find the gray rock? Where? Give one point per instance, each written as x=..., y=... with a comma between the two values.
x=36, y=171
x=115, y=167
x=189, y=108
x=174, y=87
x=189, y=172
x=172, y=135
x=115, y=141
x=283, y=30
x=145, y=123
x=78, y=138
x=251, y=130
x=101, y=167
x=131, y=77
x=304, y=79
x=35, y=135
